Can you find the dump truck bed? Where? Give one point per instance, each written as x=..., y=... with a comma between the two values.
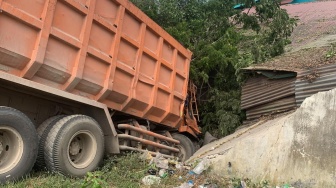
x=105, y=50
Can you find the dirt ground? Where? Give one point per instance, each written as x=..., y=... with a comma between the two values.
x=316, y=24
x=313, y=41
x=303, y=59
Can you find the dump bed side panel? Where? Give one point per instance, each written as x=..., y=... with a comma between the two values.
x=105, y=50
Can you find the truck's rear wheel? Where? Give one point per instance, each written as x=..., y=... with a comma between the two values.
x=18, y=144
x=42, y=132
x=74, y=146
x=186, y=146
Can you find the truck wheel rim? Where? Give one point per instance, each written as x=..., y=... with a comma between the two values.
x=82, y=149
x=11, y=148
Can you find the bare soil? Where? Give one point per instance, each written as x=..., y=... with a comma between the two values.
x=313, y=39
x=304, y=59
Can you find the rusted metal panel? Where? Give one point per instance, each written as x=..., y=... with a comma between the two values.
x=104, y=50
x=325, y=80
x=261, y=90
x=277, y=106
x=320, y=71
x=261, y=95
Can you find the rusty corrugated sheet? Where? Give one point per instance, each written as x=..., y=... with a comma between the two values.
x=277, y=106
x=261, y=96
x=325, y=81
x=322, y=71
x=260, y=90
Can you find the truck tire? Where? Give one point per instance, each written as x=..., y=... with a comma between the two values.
x=42, y=132
x=74, y=146
x=186, y=147
x=18, y=144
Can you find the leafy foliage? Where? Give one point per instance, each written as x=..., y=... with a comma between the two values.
x=93, y=180
x=223, y=41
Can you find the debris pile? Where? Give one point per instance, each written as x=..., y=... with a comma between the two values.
x=190, y=175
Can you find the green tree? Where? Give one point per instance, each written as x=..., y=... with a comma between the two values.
x=223, y=41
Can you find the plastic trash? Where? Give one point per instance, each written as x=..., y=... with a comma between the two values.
x=171, y=172
x=178, y=166
x=150, y=180
x=151, y=171
x=203, y=165
x=146, y=156
x=286, y=186
x=185, y=185
x=160, y=161
x=190, y=173
x=163, y=173
x=208, y=186
x=243, y=184
x=172, y=162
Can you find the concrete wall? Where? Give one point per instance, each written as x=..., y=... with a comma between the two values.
x=298, y=148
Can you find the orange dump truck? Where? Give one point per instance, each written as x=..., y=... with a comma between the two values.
x=83, y=78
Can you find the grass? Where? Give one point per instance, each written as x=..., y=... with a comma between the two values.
x=45, y=180
x=125, y=171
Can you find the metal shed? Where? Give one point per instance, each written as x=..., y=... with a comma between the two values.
x=270, y=91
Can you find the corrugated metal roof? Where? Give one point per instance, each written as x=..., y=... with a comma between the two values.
x=260, y=90
x=322, y=71
x=325, y=81
x=277, y=106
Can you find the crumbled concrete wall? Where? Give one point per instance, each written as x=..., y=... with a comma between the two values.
x=298, y=148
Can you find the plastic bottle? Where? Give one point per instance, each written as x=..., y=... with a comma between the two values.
x=203, y=165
